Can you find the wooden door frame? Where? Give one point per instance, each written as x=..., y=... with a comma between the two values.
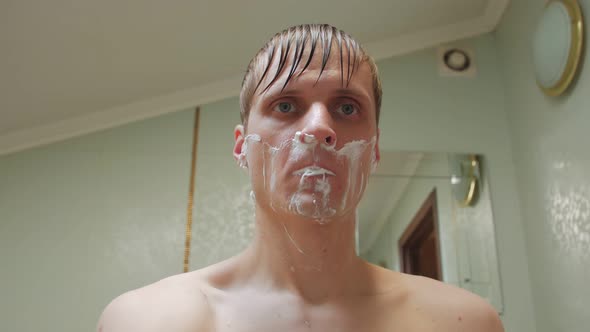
x=416, y=229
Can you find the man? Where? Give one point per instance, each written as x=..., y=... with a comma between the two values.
x=310, y=106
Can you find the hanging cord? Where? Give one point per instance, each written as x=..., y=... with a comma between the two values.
x=191, y=192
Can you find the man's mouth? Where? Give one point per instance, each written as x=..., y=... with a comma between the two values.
x=313, y=171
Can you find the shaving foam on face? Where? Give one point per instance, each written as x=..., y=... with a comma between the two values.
x=312, y=196
x=319, y=207
x=242, y=161
x=302, y=144
x=374, y=162
x=353, y=151
x=312, y=171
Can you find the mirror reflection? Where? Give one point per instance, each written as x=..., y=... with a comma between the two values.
x=413, y=219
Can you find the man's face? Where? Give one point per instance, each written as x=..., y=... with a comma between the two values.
x=310, y=148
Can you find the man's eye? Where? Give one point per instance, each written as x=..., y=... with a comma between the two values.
x=284, y=107
x=348, y=109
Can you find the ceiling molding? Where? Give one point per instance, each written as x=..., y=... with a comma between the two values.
x=117, y=116
x=60, y=130
x=430, y=38
x=494, y=12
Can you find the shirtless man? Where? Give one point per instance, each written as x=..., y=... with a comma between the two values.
x=309, y=139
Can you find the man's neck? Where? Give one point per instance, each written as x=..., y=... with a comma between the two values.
x=316, y=261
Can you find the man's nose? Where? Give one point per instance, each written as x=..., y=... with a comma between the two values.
x=319, y=122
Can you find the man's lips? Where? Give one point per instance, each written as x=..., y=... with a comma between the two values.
x=313, y=171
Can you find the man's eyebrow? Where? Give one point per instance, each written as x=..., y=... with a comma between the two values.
x=352, y=92
x=275, y=93
x=294, y=92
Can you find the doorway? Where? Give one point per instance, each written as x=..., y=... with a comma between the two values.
x=419, y=245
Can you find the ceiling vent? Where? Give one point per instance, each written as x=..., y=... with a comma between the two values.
x=456, y=61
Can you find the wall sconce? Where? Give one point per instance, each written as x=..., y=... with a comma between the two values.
x=465, y=178
x=557, y=46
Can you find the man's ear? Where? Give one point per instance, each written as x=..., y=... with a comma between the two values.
x=238, y=142
x=376, y=154
x=377, y=151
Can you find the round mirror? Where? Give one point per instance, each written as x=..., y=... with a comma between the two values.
x=557, y=46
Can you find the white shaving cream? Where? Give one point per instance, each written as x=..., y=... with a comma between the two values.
x=312, y=198
x=242, y=160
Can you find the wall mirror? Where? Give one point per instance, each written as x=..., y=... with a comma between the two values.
x=413, y=218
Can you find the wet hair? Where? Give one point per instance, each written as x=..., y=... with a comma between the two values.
x=300, y=44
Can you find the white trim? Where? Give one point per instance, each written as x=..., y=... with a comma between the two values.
x=494, y=12
x=88, y=123
x=429, y=38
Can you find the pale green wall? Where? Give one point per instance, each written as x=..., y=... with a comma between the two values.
x=79, y=226
x=552, y=156
x=86, y=219
x=383, y=248
x=223, y=210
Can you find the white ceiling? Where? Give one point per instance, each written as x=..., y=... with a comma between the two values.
x=73, y=67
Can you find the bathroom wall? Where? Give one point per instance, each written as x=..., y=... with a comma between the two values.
x=552, y=157
x=85, y=219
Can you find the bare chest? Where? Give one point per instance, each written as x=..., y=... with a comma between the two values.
x=290, y=317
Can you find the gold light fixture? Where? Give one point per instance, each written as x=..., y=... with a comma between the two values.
x=557, y=46
x=465, y=178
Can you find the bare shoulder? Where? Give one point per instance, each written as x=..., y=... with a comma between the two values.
x=176, y=303
x=452, y=308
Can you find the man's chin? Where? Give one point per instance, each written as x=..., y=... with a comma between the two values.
x=311, y=206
